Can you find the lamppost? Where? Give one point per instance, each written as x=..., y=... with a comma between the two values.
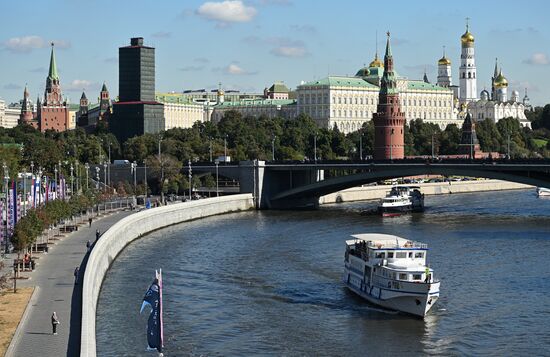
x=161, y=173
x=133, y=166
x=40, y=186
x=217, y=162
x=55, y=177
x=33, y=186
x=105, y=175
x=315, y=147
x=109, y=168
x=72, y=180
x=273, y=147
x=77, y=178
x=6, y=180
x=361, y=145
x=225, y=148
x=210, y=139
x=190, y=179
x=145, y=168
x=508, y=144
x=97, y=169
x=87, y=168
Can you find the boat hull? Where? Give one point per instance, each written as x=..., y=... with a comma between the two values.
x=415, y=304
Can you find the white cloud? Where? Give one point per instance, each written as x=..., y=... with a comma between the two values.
x=62, y=44
x=538, y=59
x=289, y=51
x=78, y=85
x=234, y=69
x=227, y=11
x=12, y=86
x=191, y=68
x=24, y=44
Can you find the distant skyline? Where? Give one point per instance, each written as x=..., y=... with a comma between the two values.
x=248, y=45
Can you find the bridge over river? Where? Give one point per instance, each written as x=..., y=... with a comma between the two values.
x=286, y=185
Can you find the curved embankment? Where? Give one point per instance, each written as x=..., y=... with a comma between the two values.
x=113, y=241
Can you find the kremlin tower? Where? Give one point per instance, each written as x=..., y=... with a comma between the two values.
x=54, y=113
x=27, y=115
x=444, y=76
x=389, y=119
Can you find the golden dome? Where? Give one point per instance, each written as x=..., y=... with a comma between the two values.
x=501, y=81
x=221, y=92
x=467, y=38
x=376, y=63
x=444, y=61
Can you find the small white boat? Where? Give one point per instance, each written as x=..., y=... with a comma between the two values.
x=401, y=199
x=543, y=192
x=391, y=272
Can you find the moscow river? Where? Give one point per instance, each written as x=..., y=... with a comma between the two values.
x=269, y=283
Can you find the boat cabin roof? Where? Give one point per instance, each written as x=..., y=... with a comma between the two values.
x=386, y=241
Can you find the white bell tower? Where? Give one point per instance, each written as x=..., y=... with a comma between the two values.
x=467, y=71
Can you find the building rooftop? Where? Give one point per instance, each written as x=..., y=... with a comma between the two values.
x=421, y=85
x=340, y=81
x=256, y=102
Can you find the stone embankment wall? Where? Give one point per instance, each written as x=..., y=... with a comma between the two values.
x=435, y=188
x=113, y=241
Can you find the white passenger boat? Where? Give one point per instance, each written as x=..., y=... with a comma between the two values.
x=543, y=192
x=391, y=272
x=401, y=199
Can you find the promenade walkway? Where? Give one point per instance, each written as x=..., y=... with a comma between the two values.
x=55, y=291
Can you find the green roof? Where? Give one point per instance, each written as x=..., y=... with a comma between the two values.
x=335, y=81
x=256, y=102
x=278, y=87
x=421, y=85
x=53, y=67
x=175, y=98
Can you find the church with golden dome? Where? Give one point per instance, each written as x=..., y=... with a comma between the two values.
x=495, y=105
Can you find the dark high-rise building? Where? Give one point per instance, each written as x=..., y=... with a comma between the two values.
x=136, y=112
x=136, y=72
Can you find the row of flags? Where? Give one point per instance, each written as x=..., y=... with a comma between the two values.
x=39, y=192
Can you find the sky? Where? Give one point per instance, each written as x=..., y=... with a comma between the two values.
x=248, y=45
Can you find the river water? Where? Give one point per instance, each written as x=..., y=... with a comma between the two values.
x=269, y=283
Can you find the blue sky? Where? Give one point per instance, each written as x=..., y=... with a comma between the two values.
x=247, y=45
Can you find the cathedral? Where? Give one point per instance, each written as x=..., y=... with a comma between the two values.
x=495, y=105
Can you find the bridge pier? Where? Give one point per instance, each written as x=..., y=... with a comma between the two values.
x=263, y=183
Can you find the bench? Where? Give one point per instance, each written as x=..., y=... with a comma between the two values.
x=19, y=265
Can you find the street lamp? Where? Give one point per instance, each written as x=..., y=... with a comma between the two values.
x=109, y=169
x=433, y=153
x=508, y=138
x=209, y=138
x=77, y=178
x=55, y=172
x=225, y=148
x=361, y=145
x=190, y=179
x=145, y=168
x=72, y=180
x=273, y=147
x=87, y=167
x=315, y=148
x=161, y=172
x=133, y=167
x=105, y=175
x=6, y=180
x=97, y=169
x=217, y=162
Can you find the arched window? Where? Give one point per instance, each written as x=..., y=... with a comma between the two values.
x=469, y=74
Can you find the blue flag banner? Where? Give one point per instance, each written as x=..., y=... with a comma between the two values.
x=153, y=299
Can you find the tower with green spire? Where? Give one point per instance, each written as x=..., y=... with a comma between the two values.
x=53, y=113
x=388, y=120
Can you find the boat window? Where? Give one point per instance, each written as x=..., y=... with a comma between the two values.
x=380, y=255
x=390, y=254
x=403, y=277
x=401, y=254
x=417, y=276
x=419, y=255
x=410, y=254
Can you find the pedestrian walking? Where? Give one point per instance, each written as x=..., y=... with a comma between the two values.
x=76, y=271
x=55, y=322
x=88, y=245
x=90, y=221
x=97, y=234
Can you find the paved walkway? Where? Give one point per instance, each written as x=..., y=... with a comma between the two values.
x=56, y=292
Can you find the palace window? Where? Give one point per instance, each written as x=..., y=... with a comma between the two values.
x=403, y=276
x=417, y=276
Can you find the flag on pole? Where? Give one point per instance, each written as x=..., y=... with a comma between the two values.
x=153, y=298
x=14, y=202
